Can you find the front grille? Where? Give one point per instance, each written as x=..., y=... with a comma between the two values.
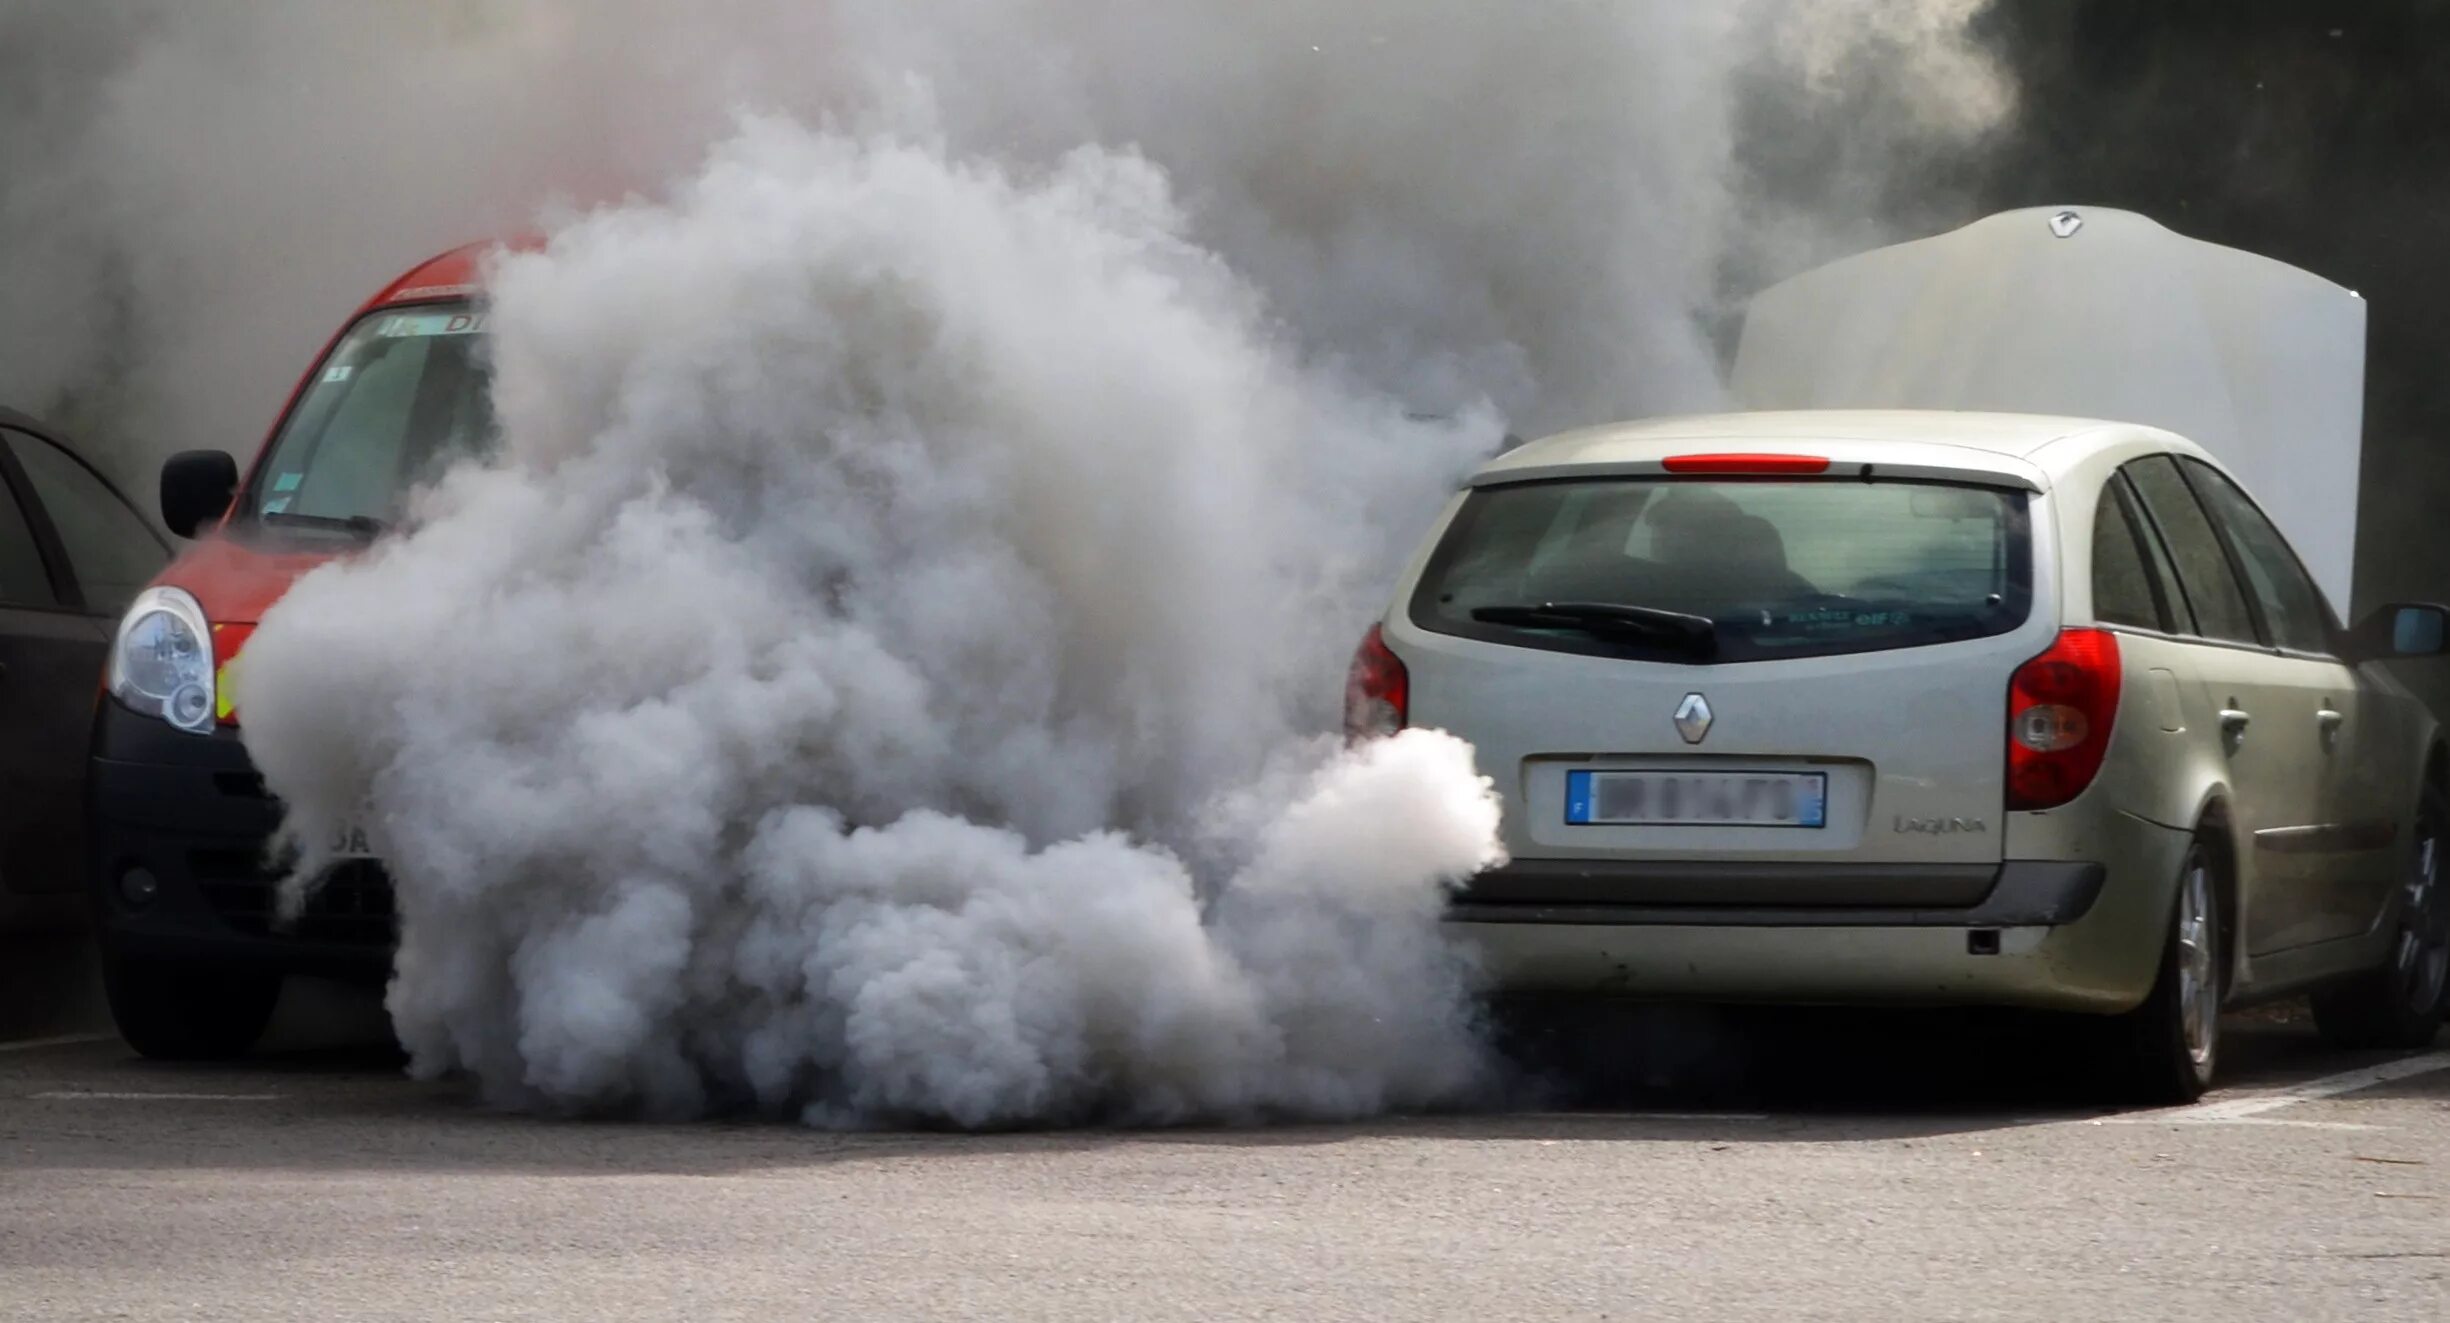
x=353, y=905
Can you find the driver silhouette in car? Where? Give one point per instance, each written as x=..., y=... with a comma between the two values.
x=1716, y=557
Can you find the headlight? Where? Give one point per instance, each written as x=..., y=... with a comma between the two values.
x=162, y=663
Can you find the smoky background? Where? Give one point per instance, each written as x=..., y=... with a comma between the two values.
x=1548, y=208
x=2309, y=132
x=947, y=455
x=1531, y=217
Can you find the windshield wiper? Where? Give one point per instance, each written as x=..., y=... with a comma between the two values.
x=1697, y=635
x=365, y=526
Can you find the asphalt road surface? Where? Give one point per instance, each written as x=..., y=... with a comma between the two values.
x=1838, y=1167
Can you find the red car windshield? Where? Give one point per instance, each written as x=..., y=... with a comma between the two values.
x=405, y=394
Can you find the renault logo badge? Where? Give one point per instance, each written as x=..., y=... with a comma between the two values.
x=2065, y=224
x=1693, y=718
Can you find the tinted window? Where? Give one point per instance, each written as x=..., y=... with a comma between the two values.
x=402, y=396
x=112, y=553
x=2164, y=571
x=1779, y=569
x=2292, y=606
x=2123, y=590
x=22, y=581
x=2203, y=565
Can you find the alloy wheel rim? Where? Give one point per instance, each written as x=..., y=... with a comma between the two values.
x=2198, y=964
x=2423, y=955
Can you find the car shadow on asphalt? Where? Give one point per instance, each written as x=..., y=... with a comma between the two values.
x=1604, y=1075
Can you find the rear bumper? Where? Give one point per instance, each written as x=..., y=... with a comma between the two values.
x=2018, y=894
x=192, y=813
x=2056, y=935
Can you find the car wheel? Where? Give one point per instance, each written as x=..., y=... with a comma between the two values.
x=2168, y=1049
x=2400, y=1005
x=183, y=1013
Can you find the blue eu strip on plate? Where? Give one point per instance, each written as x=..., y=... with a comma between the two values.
x=1578, y=797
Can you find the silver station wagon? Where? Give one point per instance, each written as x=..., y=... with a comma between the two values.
x=1926, y=708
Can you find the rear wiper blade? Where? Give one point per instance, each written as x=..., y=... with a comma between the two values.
x=365, y=526
x=1697, y=634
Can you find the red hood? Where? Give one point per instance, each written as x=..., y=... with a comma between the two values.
x=236, y=584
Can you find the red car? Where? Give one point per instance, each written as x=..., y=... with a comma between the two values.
x=178, y=819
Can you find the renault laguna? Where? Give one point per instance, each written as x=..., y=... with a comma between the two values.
x=1926, y=707
x=1917, y=685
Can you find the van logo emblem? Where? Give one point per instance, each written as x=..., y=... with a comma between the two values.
x=2065, y=224
x=1693, y=718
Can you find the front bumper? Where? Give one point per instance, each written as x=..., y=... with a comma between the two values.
x=2052, y=935
x=192, y=812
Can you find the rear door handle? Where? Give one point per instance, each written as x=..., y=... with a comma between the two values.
x=2235, y=720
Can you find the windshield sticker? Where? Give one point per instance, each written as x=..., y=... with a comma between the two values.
x=340, y=372
x=276, y=505
x=409, y=325
x=287, y=482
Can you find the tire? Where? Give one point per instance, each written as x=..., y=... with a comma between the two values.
x=2166, y=1051
x=183, y=1013
x=2401, y=1004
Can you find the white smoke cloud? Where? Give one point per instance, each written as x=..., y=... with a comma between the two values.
x=891, y=563
x=1528, y=203
x=880, y=676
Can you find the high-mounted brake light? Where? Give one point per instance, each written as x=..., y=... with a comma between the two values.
x=1377, y=691
x=2061, y=706
x=1746, y=465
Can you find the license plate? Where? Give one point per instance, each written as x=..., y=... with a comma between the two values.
x=1697, y=799
x=350, y=842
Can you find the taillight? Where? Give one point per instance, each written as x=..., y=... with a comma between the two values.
x=1377, y=691
x=1746, y=465
x=2061, y=706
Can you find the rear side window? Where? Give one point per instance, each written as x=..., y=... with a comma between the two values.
x=1758, y=569
x=2123, y=589
x=2292, y=606
x=2204, y=572
x=112, y=553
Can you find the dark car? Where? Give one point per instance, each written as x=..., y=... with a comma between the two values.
x=73, y=553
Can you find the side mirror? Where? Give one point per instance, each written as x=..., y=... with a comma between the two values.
x=197, y=486
x=2406, y=629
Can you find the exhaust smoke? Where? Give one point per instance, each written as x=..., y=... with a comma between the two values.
x=879, y=676
x=873, y=677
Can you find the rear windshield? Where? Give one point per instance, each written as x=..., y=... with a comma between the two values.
x=404, y=394
x=1698, y=571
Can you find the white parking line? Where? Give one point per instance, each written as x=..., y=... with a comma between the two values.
x=81, y=1095
x=64, y=1040
x=2267, y=1120
x=2234, y=1111
x=1635, y=1116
